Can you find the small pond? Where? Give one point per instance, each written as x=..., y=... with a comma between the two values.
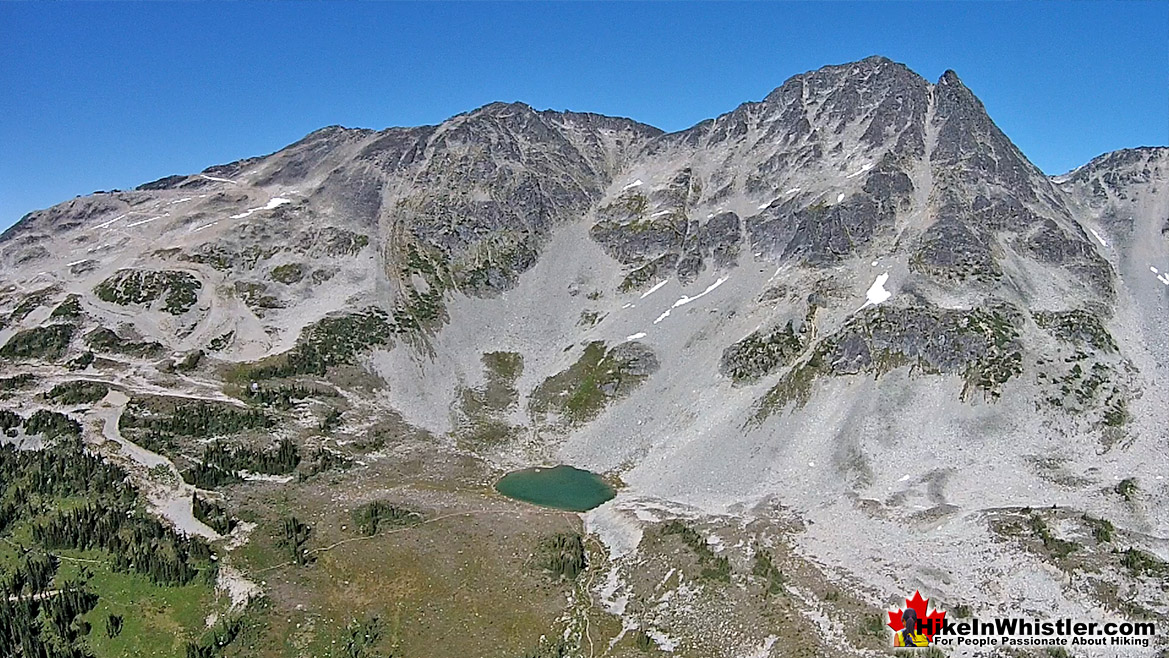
x=562, y=487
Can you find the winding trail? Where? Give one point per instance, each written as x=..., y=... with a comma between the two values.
x=169, y=497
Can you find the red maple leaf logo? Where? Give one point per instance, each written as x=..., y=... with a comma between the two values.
x=931, y=622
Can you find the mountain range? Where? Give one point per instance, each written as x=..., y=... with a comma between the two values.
x=850, y=327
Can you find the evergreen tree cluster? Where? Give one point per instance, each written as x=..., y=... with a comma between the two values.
x=108, y=340
x=40, y=619
x=282, y=398
x=377, y=515
x=293, y=536
x=138, y=543
x=48, y=342
x=77, y=392
x=324, y=459
x=714, y=567
x=16, y=382
x=52, y=425
x=197, y=419
x=221, y=464
x=565, y=555
x=215, y=516
x=46, y=626
x=329, y=342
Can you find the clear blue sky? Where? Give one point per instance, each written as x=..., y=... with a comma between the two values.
x=100, y=96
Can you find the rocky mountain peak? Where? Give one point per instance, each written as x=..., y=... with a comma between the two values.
x=757, y=315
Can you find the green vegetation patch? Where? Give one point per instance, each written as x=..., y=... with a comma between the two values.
x=1077, y=326
x=222, y=464
x=63, y=502
x=764, y=569
x=194, y=418
x=108, y=340
x=70, y=309
x=48, y=342
x=17, y=382
x=1141, y=563
x=30, y=303
x=656, y=268
x=221, y=341
x=1102, y=529
x=579, y=393
x=1127, y=488
x=52, y=425
x=981, y=344
x=289, y=273
x=378, y=515
x=178, y=290
x=762, y=353
x=482, y=411
x=255, y=296
x=77, y=392
x=564, y=555
x=331, y=341
x=714, y=567
x=1056, y=547
x=215, y=516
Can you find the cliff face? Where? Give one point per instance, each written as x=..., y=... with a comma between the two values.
x=855, y=299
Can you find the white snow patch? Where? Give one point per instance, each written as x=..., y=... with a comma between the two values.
x=667, y=578
x=76, y=262
x=200, y=228
x=657, y=286
x=860, y=171
x=629, y=305
x=636, y=336
x=764, y=205
x=840, y=197
x=664, y=642
x=877, y=293
x=1153, y=269
x=106, y=224
x=715, y=543
x=686, y=300
x=274, y=202
x=662, y=212
x=635, y=183
x=264, y=477
x=217, y=180
x=144, y=221
x=612, y=603
x=1097, y=236
x=793, y=190
x=1163, y=278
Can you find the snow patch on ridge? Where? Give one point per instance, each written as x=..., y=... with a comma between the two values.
x=877, y=293
x=657, y=286
x=274, y=202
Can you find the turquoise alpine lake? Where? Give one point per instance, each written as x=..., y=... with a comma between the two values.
x=562, y=487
